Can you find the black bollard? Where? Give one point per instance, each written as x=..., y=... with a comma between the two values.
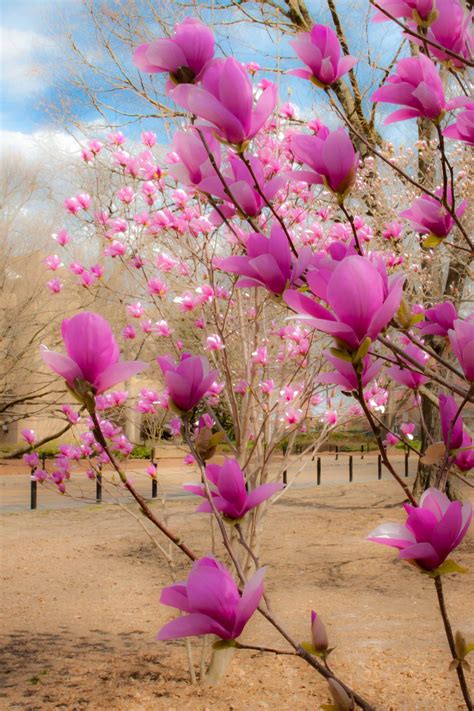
x=43, y=461
x=379, y=467
x=98, y=486
x=33, y=491
x=407, y=454
x=318, y=471
x=337, y=451
x=285, y=477
x=154, y=488
x=351, y=468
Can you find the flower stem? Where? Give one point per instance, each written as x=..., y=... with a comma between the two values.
x=452, y=646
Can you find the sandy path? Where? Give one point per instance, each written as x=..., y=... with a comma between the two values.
x=80, y=591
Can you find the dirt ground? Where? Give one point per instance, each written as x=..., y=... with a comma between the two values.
x=80, y=591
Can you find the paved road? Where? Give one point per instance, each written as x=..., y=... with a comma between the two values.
x=15, y=481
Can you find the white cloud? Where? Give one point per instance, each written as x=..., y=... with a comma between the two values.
x=22, y=61
x=39, y=144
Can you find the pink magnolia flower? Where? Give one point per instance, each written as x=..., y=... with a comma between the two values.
x=451, y=422
x=225, y=99
x=463, y=128
x=417, y=86
x=292, y=416
x=31, y=459
x=331, y=157
x=260, y=356
x=266, y=386
x=135, y=310
x=129, y=332
x=84, y=200
x=358, y=310
x=450, y=29
x=189, y=460
x=157, y=287
x=408, y=375
x=392, y=230
x=269, y=262
x=92, y=354
x=54, y=285
x=407, y=429
x=321, y=52
x=228, y=490
x=53, y=262
x=214, y=343
x=345, y=374
x=439, y=319
x=29, y=436
x=162, y=329
x=184, y=56
x=241, y=387
x=461, y=337
x=148, y=138
x=391, y=439
x=190, y=162
x=151, y=470
x=62, y=237
x=40, y=475
x=188, y=381
x=428, y=216
x=421, y=11
x=212, y=601
x=241, y=186
x=174, y=426
x=431, y=531
x=330, y=417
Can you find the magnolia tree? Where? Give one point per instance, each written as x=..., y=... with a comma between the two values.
x=258, y=232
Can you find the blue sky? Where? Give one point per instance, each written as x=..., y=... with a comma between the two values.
x=31, y=57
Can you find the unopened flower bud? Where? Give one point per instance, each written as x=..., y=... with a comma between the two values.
x=340, y=697
x=319, y=634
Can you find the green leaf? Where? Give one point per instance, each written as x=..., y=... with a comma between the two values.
x=363, y=349
x=224, y=644
x=341, y=354
x=469, y=649
x=309, y=647
x=449, y=566
x=431, y=242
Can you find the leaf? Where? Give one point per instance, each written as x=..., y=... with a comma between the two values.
x=216, y=439
x=431, y=242
x=224, y=644
x=469, y=648
x=449, y=566
x=341, y=354
x=309, y=647
x=433, y=453
x=363, y=349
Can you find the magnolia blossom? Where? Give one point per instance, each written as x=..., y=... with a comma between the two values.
x=421, y=11
x=431, y=531
x=450, y=29
x=190, y=162
x=428, y=216
x=345, y=373
x=227, y=486
x=461, y=337
x=321, y=52
x=225, y=99
x=241, y=191
x=187, y=381
x=269, y=262
x=439, y=319
x=363, y=300
x=184, y=55
x=29, y=436
x=407, y=375
x=92, y=354
x=417, y=86
x=212, y=602
x=330, y=155
x=463, y=128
